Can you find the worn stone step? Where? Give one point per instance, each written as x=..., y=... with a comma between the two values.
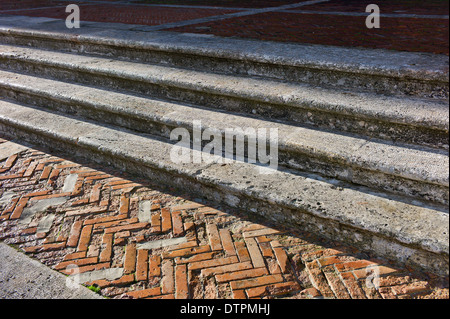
x=387, y=226
x=417, y=121
x=417, y=172
x=380, y=71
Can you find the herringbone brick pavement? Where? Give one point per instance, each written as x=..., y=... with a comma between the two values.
x=133, y=239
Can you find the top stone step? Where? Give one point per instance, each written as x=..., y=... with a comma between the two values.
x=380, y=71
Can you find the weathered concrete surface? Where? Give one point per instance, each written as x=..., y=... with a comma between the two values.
x=9, y=148
x=387, y=226
x=417, y=172
x=40, y=206
x=24, y=278
x=417, y=121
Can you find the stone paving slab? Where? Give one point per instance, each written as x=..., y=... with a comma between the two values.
x=24, y=278
x=185, y=248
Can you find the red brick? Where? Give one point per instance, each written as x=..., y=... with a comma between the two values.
x=95, y=193
x=187, y=251
x=85, y=238
x=167, y=281
x=130, y=259
x=12, y=176
x=19, y=208
x=28, y=231
x=177, y=223
x=77, y=255
x=255, y=253
x=412, y=288
x=254, y=282
x=53, y=175
x=114, y=223
x=10, y=161
x=241, y=274
x=107, y=243
x=30, y=169
x=239, y=294
x=337, y=286
x=213, y=235
x=78, y=189
x=227, y=242
x=166, y=220
x=86, y=211
x=352, y=286
x=198, y=257
x=125, y=187
x=154, y=266
x=242, y=251
x=282, y=259
x=181, y=282
x=124, y=204
x=351, y=265
x=136, y=226
x=274, y=289
x=380, y=270
x=145, y=293
x=318, y=279
x=260, y=232
x=266, y=248
x=106, y=219
x=38, y=193
x=156, y=222
x=212, y=263
x=75, y=234
x=51, y=196
x=45, y=247
x=87, y=268
x=142, y=265
x=227, y=268
x=11, y=206
x=78, y=262
x=46, y=172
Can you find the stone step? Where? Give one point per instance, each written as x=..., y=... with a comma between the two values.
x=410, y=120
x=420, y=173
x=385, y=225
x=380, y=71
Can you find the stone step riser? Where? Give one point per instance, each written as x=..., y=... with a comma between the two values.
x=366, y=240
x=287, y=156
x=307, y=73
x=373, y=127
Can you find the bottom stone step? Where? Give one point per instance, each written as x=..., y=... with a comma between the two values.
x=410, y=234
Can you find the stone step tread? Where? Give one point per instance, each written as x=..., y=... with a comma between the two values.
x=356, y=60
x=401, y=222
x=420, y=164
x=410, y=111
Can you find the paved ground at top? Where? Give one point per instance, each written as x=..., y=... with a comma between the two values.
x=406, y=25
x=134, y=239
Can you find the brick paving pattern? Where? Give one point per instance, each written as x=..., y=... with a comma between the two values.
x=407, y=34
x=396, y=33
x=128, y=15
x=434, y=7
x=161, y=244
x=224, y=3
